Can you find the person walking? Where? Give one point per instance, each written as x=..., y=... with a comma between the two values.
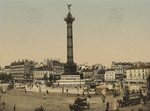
x=89, y=95
x=88, y=100
x=3, y=104
x=63, y=90
x=47, y=92
x=39, y=89
x=67, y=90
x=25, y=90
x=144, y=99
x=103, y=98
x=44, y=97
x=41, y=108
x=14, y=108
x=107, y=107
x=83, y=94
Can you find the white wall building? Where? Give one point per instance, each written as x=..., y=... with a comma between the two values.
x=21, y=70
x=40, y=72
x=137, y=74
x=110, y=75
x=120, y=69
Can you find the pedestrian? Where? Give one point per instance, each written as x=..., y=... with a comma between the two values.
x=14, y=107
x=88, y=100
x=141, y=93
x=107, y=107
x=67, y=90
x=41, y=108
x=63, y=90
x=0, y=96
x=39, y=89
x=144, y=99
x=103, y=100
x=89, y=95
x=44, y=96
x=47, y=92
x=83, y=94
x=78, y=95
x=3, y=104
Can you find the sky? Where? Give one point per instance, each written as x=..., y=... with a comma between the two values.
x=103, y=30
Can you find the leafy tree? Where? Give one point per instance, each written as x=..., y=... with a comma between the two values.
x=51, y=78
x=81, y=75
x=6, y=78
x=148, y=82
x=45, y=77
x=54, y=78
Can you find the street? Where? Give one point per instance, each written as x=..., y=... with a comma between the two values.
x=55, y=101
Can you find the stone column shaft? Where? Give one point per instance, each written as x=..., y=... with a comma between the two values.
x=69, y=43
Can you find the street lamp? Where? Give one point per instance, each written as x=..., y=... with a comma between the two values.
x=80, y=82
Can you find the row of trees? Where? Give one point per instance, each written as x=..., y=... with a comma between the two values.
x=6, y=77
x=51, y=78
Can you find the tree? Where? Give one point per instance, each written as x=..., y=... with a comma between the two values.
x=50, y=77
x=54, y=78
x=45, y=77
x=6, y=78
x=81, y=75
x=148, y=82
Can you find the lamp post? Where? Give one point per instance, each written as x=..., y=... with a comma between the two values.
x=80, y=82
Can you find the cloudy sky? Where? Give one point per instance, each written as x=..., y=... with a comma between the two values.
x=103, y=30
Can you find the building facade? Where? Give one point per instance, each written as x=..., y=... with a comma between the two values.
x=88, y=73
x=110, y=75
x=101, y=75
x=41, y=73
x=21, y=70
x=7, y=70
x=56, y=65
x=138, y=74
x=120, y=69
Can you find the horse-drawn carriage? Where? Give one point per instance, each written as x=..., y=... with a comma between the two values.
x=80, y=104
x=130, y=98
x=116, y=91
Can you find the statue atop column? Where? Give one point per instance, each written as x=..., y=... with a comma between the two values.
x=69, y=5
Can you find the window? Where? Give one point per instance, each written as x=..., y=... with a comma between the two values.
x=130, y=74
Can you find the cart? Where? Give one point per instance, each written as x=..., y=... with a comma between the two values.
x=79, y=105
x=130, y=99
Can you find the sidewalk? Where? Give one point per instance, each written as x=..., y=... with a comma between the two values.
x=57, y=90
